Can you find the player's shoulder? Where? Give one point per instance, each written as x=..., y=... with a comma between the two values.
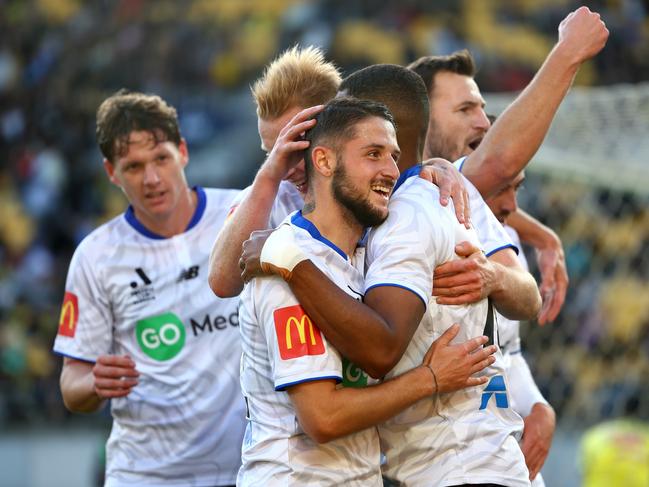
x=105, y=239
x=220, y=198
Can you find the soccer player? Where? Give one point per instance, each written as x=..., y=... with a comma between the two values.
x=450, y=439
x=303, y=429
x=288, y=96
x=139, y=324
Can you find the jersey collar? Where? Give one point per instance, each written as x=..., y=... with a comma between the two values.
x=413, y=171
x=198, y=213
x=299, y=221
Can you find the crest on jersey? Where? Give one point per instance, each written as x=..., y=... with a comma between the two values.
x=69, y=315
x=297, y=336
x=498, y=390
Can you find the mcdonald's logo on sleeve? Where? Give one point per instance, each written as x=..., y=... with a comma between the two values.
x=69, y=315
x=297, y=336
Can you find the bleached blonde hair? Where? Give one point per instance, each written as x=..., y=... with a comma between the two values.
x=298, y=77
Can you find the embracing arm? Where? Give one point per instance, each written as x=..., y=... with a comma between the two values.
x=347, y=322
x=519, y=131
x=85, y=386
x=326, y=412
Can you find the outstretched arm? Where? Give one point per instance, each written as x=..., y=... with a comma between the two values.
x=519, y=131
x=551, y=261
x=254, y=210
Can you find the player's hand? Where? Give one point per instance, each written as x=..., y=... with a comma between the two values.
x=281, y=253
x=537, y=437
x=454, y=365
x=114, y=376
x=290, y=145
x=448, y=179
x=250, y=263
x=466, y=280
x=554, y=280
x=582, y=34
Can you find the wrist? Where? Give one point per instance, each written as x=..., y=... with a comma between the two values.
x=280, y=253
x=268, y=176
x=431, y=380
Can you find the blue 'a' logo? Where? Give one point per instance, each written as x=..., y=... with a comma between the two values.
x=496, y=387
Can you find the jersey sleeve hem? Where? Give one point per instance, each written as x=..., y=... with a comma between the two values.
x=68, y=355
x=503, y=247
x=420, y=294
x=282, y=386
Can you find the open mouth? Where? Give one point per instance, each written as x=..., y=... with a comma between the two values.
x=382, y=189
x=473, y=145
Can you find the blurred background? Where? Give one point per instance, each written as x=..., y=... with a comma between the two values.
x=60, y=58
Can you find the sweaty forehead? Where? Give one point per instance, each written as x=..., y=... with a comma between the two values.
x=456, y=88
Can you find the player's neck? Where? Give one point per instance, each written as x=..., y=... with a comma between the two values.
x=176, y=221
x=335, y=223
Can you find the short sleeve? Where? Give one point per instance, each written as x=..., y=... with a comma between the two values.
x=85, y=322
x=297, y=349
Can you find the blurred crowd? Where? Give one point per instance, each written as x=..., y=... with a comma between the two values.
x=60, y=58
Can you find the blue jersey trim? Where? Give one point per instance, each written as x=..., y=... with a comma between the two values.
x=397, y=285
x=462, y=164
x=413, y=171
x=508, y=246
x=201, y=203
x=62, y=354
x=299, y=221
x=283, y=387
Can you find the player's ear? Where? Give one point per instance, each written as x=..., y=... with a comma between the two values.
x=324, y=160
x=184, y=152
x=109, y=167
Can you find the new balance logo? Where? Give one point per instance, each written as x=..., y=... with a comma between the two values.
x=497, y=388
x=187, y=274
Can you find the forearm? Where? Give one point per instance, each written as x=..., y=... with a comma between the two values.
x=516, y=296
x=354, y=329
x=519, y=131
x=347, y=410
x=531, y=231
x=77, y=388
x=252, y=214
x=524, y=391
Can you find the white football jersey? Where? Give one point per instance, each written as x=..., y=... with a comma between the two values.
x=288, y=200
x=283, y=347
x=130, y=291
x=469, y=436
x=490, y=231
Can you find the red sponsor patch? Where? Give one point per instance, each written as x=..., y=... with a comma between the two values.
x=297, y=336
x=69, y=315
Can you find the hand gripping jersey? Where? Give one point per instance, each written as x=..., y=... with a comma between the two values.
x=468, y=436
x=132, y=292
x=287, y=201
x=283, y=347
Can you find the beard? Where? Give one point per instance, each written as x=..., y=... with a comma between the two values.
x=359, y=207
x=438, y=144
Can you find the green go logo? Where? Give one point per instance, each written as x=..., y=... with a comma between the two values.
x=353, y=375
x=161, y=337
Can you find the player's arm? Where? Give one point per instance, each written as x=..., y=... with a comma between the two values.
x=551, y=261
x=520, y=129
x=499, y=277
x=326, y=412
x=253, y=212
x=538, y=416
x=85, y=386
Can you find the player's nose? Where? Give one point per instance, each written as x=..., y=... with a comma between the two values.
x=151, y=175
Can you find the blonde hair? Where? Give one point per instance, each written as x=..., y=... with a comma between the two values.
x=298, y=77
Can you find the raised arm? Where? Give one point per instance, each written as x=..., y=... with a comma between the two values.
x=520, y=129
x=86, y=386
x=254, y=210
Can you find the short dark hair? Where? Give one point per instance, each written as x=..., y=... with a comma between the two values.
x=335, y=124
x=122, y=113
x=460, y=62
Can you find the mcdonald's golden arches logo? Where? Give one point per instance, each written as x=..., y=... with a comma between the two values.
x=297, y=336
x=69, y=315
